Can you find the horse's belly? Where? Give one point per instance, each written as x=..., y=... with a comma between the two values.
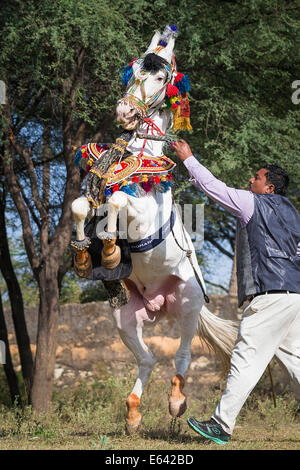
x=158, y=297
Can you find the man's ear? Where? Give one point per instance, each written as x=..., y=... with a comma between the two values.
x=270, y=188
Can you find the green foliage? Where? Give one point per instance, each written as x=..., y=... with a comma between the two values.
x=241, y=57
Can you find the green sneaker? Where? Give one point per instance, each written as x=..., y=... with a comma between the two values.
x=210, y=429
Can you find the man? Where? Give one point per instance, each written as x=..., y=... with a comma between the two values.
x=268, y=274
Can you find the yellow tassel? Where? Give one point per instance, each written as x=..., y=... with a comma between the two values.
x=144, y=178
x=125, y=183
x=163, y=178
x=181, y=122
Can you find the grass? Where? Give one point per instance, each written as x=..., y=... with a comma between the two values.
x=92, y=417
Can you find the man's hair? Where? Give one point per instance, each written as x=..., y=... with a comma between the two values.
x=278, y=177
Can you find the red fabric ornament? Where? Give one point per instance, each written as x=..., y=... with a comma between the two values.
x=157, y=179
x=178, y=77
x=135, y=179
x=172, y=90
x=115, y=187
x=174, y=106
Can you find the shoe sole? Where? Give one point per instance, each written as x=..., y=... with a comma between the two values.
x=215, y=439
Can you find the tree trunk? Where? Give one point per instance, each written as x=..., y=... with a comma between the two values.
x=17, y=306
x=11, y=377
x=233, y=278
x=41, y=392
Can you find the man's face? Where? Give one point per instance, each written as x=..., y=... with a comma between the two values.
x=258, y=184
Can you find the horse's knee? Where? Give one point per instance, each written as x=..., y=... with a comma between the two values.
x=80, y=208
x=118, y=200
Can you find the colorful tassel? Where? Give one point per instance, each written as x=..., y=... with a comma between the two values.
x=126, y=74
x=181, y=115
x=78, y=157
x=178, y=77
x=166, y=185
x=156, y=179
x=116, y=187
x=147, y=186
x=130, y=189
x=172, y=90
x=107, y=192
x=183, y=84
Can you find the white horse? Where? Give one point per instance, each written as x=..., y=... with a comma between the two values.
x=166, y=278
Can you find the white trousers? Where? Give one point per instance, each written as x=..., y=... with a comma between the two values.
x=270, y=326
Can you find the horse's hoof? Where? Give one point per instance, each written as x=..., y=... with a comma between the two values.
x=111, y=259
x=131, y=429
x=177, y=408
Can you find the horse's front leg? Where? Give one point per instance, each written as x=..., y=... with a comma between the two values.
x=111, y=253
x=82, y=261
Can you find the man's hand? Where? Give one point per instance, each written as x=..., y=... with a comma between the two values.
x=182, y=149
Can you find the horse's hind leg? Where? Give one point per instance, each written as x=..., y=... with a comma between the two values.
x=146, y=363
x=129, y=321
x=189, y=314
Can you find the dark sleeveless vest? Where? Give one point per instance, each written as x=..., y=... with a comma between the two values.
x=267, y=248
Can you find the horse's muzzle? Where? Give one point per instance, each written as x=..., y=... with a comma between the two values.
x=128, y=113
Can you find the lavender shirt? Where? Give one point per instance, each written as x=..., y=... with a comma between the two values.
x=237, y=201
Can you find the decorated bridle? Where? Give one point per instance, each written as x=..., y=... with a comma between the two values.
x=174, y=89
x=137, y=79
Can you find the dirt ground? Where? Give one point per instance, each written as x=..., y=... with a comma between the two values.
x=89, y=346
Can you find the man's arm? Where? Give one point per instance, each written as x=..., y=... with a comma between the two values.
x=237, y=201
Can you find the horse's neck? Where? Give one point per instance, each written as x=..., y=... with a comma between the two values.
x=150, y=147
x=151, y=211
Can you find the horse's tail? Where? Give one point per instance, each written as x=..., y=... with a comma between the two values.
x=219, y=335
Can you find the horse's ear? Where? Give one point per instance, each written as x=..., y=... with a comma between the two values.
x=153, y=43
x=166, y=52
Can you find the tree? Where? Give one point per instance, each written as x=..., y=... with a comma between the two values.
x=17, y=308
x=60, y=70
x=61, y=62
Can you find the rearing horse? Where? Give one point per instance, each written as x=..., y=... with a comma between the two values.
x=165, y=274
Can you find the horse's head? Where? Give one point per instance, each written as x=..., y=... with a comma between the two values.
x=147, y=80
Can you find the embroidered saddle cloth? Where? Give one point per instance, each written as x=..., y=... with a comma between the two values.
x=138, y=166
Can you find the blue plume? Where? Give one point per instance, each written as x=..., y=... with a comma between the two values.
x=107, y=192
x=166, y=185
x=126, y=74
x=130, y=189
x=184, y=84
x=77, y=158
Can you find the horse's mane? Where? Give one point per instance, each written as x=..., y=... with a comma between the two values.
x=153, y=63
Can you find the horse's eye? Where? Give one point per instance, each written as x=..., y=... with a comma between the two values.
x=159, y=79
